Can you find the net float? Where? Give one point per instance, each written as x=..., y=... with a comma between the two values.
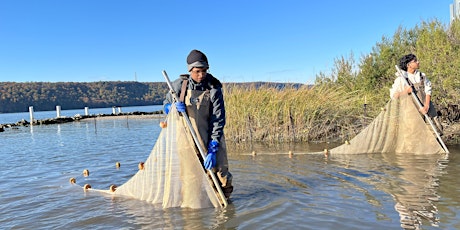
x=86, y=173
x=141, y=165
x=113, y=188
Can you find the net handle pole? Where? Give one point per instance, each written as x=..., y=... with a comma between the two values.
x=419, y=104
x=223, y=202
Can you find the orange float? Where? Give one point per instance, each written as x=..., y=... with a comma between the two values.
x=113, y=188
x=141, y=165
x=86, y=173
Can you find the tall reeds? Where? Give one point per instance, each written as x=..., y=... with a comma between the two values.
x=309, y=113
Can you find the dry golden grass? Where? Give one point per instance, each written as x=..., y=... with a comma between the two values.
x=319, y=113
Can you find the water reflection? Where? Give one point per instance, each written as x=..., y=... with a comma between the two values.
x=60, y=141
x=32, y=133
x=146, y=216
x=412, y=181
x=417, y=192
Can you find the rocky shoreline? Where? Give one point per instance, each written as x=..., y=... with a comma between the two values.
x=78, y=117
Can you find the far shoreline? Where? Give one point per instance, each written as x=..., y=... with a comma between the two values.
x=451, y=133
x=64, y=119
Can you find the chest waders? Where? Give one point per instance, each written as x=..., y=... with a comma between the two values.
x=420, y=92
x=199, y=107
x=432, y=112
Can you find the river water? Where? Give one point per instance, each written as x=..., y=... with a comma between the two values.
x=272, y=190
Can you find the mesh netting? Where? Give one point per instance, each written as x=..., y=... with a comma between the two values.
x=173, y=175
x=399, y=128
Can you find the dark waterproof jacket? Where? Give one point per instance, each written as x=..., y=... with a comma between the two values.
x=217, y=110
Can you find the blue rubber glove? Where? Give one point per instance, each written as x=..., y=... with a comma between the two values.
x=210, y=160
x=180, y=106
x=167, y=108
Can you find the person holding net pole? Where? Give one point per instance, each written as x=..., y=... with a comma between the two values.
x=410, y=79
x=201, y=97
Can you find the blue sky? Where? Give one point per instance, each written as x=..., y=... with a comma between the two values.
x=114, y=40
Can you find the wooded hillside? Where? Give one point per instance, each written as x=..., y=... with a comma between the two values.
x=17, y=97
x=44, y=96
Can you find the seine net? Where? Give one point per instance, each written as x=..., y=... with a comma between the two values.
x=399, y=128
x=173, y=175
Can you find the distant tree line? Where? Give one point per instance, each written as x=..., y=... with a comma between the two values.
x=44, y=96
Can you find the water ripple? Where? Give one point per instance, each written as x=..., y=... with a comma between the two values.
x=272, y=191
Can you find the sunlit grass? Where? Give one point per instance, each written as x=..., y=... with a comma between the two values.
x=318, y=113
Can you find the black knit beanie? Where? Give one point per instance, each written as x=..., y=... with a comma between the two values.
x=197, y=59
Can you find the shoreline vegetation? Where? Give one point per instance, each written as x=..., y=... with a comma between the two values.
x=321, y=114
x=305, y=114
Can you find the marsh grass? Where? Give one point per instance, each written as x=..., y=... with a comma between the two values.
x=310, y=113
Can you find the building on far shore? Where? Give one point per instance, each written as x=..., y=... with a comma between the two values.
x=455, y=10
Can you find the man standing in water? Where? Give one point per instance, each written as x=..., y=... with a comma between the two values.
x=418, y=81
x=200, y=95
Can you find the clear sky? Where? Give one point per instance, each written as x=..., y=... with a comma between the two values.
x=244, y=40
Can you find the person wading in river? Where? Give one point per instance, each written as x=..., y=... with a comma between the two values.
x=200, y=95
x=418, y=81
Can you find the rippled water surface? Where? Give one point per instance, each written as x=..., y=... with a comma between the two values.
x=272, y=190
